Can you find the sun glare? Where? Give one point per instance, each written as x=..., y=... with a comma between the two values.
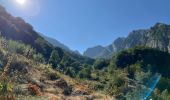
x=21, y=2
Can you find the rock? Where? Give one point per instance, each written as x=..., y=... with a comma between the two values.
x=157, y=37
x=67, y=91
x=52, y=90
x=37, y=82
x=90, y=97
x=79, y=92
x=34, y=90
x=61, y=83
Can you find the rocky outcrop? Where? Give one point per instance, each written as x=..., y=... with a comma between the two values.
x=157, y=37
x=96, y=52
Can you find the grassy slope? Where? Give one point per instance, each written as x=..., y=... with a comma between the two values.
x=32, y=73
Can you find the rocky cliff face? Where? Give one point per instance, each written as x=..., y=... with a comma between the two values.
x=95, y=52
x=157, y=37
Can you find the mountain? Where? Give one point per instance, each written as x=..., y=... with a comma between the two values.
x=15, y=28
x=97, y=52
x=55, y=42
x=157, y=37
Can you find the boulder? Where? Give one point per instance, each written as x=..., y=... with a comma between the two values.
x=61, y=83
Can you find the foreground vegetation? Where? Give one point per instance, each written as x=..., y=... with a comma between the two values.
x=26, y=73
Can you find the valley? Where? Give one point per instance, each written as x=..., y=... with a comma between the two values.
x=33, y=68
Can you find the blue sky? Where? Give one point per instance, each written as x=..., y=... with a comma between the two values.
x=81, y=24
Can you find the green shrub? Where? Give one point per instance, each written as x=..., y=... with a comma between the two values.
x=117, y=84
x=53, y=76
x=164, y=83
x=85, y=73
x=54, y=59
x=38, y=58
x=100, y=63
x=5, y=88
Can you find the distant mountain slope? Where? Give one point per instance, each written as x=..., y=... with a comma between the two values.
x=97, y=52
x=55, y=42
x=16, y=28
x=157, y=36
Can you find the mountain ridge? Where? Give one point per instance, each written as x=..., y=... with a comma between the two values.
x=155, y=37
x=55, y=42
x=15, y=28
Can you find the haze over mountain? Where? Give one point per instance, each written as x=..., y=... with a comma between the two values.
x=157, y=37
x=56, y=43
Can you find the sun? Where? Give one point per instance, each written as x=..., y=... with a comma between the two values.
x=21, y=2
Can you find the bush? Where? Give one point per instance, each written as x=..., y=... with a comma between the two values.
x=19, y=91
x=5, y=88
x=20, y=48
x=158, y=61
x=163, y=84
x=19, y=66
x=53, y=76
x=54, y=59
x=85, y=73
x=38, y=58
x=100, y=63
x=117, y=84
x=95, y=76
x=157, y=95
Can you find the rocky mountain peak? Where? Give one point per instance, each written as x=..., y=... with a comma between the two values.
x=158, y=36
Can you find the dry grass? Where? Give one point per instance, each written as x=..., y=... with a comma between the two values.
x=7, y=95
x=40, y=72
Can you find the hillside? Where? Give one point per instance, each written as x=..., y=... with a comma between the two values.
x=31, y=68
x=56, y=43
x=155, y=37
x=15, y=28
x=28, y=77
